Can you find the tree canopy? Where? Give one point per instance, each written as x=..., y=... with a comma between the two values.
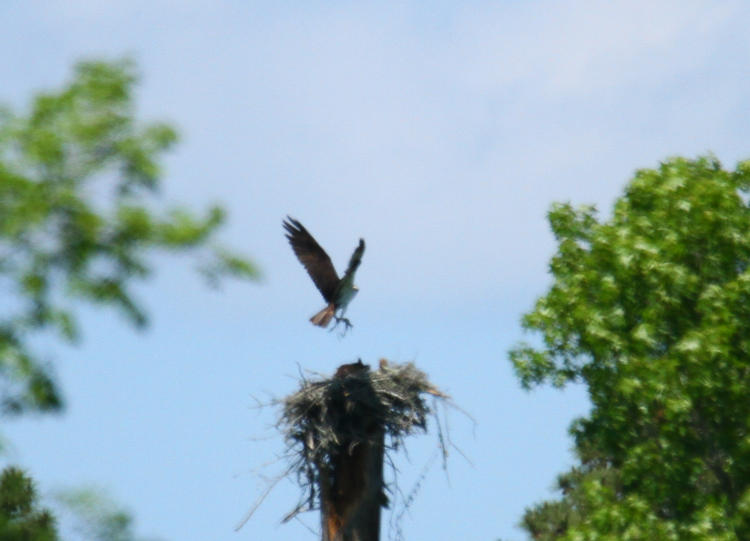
x=21, y=518
x=79, y=220
x=650, y=309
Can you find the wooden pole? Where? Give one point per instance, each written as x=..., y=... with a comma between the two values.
x=351, y=482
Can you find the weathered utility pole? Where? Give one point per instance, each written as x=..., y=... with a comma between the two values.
x=352, y=493
x=338, y=427
x=351, y=485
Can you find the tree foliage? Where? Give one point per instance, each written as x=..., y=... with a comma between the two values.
x=79, y=219
x=96, y=517
x=650, y=309
x=21, y=519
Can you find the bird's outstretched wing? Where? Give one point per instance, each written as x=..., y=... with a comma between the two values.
x=356, y=259
x=313, y=258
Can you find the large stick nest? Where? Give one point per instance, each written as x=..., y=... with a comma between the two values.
x=350, y=408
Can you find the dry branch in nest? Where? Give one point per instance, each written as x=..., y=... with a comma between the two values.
x=354, y=408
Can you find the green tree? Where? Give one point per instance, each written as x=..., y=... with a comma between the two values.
x=650, y=309
x=79, y=220
x=96, y=517
x=21, y=519
x=79, y=223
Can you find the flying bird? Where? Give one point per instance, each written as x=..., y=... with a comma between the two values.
x=337, y=292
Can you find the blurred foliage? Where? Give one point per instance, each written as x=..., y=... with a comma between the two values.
x=651, y=311
x=20, y=517
x=96, y=517
x=79, y=220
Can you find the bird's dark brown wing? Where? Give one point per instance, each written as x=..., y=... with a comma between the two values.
x=312, y=257
x=356, y=259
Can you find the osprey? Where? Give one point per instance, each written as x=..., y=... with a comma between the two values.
x=337, y=292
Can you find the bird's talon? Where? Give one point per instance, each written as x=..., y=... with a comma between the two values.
x=347, y=324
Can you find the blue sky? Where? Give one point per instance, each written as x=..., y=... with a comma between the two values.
x=441, y=133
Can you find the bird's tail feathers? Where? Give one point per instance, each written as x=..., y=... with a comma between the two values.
x=324, y=317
